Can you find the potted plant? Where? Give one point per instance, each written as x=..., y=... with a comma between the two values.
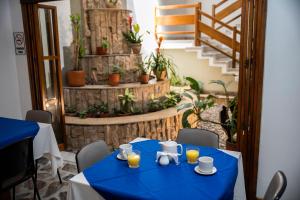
x=228, y=117
x=155, y=104
x=102, y=109
x=102, y=50
x=127, y=101
x=161, y=65
x=171, y=99
x=134, y=38
x=70, y=111
x=115, y=75
x=76, y=77
x=111, y=3
x=145, y=71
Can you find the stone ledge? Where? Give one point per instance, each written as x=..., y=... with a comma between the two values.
x=170, y=112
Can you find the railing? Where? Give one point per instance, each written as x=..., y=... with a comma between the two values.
x=199, y=28
x=220, y=15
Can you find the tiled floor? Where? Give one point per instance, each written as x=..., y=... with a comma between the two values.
x=49, y=187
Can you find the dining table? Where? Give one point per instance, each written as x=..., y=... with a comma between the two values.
x=111, y=178
x=44, y=142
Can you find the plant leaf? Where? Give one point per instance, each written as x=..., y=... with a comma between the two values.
x=186, y=94
x=195, y=85
x=184, y=106
x=185, y=121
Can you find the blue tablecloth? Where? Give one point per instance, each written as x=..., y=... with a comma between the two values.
x=113, y=179
x=13, y=130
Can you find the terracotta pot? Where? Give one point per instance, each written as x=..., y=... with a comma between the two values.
x=144, y=78
x=114, y=79
x=231, y=146
x=101, y=51
x=76, y=78
x=161, y=75
x=136, y=48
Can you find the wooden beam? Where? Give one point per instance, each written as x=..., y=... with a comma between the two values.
x=175, y=20
x=174, y=32
x=229, y=9
x=178, y=6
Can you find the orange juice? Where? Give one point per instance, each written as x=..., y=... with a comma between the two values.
x=133, y=160
x=192, y=156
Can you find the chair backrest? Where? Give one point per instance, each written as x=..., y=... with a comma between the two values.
x=90, y=154
x=199, y=137
x=17, y=163
x=39, y=116
x=276, y=187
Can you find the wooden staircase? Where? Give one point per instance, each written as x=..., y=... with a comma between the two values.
x=215, y=38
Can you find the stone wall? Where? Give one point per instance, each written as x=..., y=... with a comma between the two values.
x=116, y=134
x=82, y=97
x=104, y=64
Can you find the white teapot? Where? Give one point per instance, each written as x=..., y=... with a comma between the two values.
x=171, y=147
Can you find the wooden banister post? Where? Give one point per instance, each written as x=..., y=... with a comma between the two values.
x=197, y=22
x=213, y=23
x=234, y=47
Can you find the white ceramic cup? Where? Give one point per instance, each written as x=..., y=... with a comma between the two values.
x=125, y=149
x=206, y=164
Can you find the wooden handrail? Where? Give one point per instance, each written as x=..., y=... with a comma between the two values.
x=218, y=21
x=220, y=3
x=228, y=10
x=178, y=6
x=229, y=21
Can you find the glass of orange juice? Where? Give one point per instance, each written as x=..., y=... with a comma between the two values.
x=134, y=158
x=192, y=154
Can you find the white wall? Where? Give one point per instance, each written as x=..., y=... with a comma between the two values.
x=280, y=131
x=15, y=97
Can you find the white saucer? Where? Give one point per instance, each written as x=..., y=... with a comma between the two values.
x=121, y=157
x=198, y=171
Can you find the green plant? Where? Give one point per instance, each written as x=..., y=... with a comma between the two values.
x=159, y=63
x=102, y=107
x=78, y=50
x=197, y=105
x=70, y=109
x=144, y=68
x=117, y=69
x=104, y=43
x=228, y=114
x=133, y=35
x=171, y=99
x=127, y=101
x=155, y=104
x=82, y=114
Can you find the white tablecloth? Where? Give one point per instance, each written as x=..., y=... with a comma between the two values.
x=45, y=144
x=80, y=189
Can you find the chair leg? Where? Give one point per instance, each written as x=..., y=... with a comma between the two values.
x=59, y=177
x=36, y=191
x=14, y=193
x=36, y=168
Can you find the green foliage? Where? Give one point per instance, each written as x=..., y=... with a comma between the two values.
x=144, y=68
x=176, y=80
x=127, y=101
x=133, y=36
x=117, y=69
x=196, y=86
x=169, y=100
x=78, y=47
x=70, y=109
x=159, y=63
x=82, y=114
x=104, y=43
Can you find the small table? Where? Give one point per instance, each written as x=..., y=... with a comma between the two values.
x=79, y=188
x=44, y=143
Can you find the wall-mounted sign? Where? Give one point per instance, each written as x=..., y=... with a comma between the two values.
x=19, y=39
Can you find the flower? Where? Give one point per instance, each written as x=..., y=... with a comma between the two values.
x=159, y=41
x=130, y=22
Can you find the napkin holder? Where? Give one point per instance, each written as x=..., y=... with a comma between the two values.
x=171, y=156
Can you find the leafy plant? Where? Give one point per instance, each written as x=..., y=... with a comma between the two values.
x=82, y=114
x=197, y=105
x=102, y=107
x=144, y=68
x=78, y=50
x=104, y=43
x=117, y=69
x=70, y=109
x=133, y=35
x=127, y=101
x=155, y=104
x=171, y=99
x=228, y=115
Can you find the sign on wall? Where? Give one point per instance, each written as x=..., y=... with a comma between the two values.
x=19, y=39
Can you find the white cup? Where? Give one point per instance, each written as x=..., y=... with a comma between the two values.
x=125, y=149
x=206, y=164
